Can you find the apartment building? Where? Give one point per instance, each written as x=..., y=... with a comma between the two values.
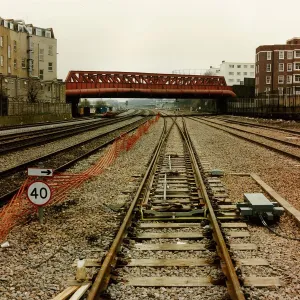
x=278, y=68
x=234, y=72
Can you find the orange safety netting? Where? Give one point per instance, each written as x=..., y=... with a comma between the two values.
x=20, y=208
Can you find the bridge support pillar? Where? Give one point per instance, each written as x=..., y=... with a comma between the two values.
x=74, y=102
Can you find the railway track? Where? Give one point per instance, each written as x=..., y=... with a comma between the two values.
x=5, y=128
x=281, y=146
x=59, y=160
x=258, y=125
x=173, y=235
x=17, y=141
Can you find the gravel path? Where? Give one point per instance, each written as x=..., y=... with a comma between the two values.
x=280, y=173
x=16, y=158
x=39, y=261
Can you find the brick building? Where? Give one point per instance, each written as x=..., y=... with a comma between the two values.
x=277, y=68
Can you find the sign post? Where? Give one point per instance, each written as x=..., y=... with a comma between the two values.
x=39, y=194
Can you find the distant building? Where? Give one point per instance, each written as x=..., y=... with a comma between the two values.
x=233, y=72
x=27, y=51
x=28, y=67
x=278, y=68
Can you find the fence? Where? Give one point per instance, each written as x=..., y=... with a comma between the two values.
x=10, y=107
x=280, y=106
x=19, y=208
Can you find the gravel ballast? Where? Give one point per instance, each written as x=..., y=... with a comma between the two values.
x=39, y=261
x=232, y=154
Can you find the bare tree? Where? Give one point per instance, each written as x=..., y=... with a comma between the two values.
x=209, y=72
x=33, y=90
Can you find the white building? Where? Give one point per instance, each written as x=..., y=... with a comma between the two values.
x=233, y=72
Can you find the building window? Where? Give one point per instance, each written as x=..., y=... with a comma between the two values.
x=257, y=57
x=257, y=69
x=238, y=73
x=15, y=46
x=297, y=66
x=238, y=66
x=245, y=73
x=23, y=63
x=42, y=74
x=297, y=54
x=1, y=41
x=231, y=73
x=251, y=73
x=296, y=78
x=268, y=79
x=252, y=66
x=281, y=68
x=245, y=66
x=238, y=80
x=9, y=69
x=290, y=54
x=290, y=67
x=281, y=54
x=280, y=91
x=231, y=80
x=268, y=68
x=41, y=55
x=280, y=79
x=38, y=31
x=256, y=80
x=289, y=79
x=48, y=34
x=50, y=50
x=268, y=90
x=8, y=51
x=269, y=55
x=231, y=66
x=1, y=60
x=50, y=67
x=15, y=64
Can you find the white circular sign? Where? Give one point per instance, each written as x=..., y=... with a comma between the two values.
x=39, y=193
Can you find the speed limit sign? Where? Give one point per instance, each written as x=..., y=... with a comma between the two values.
x=39, y=193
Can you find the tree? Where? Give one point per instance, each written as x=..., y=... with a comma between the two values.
x=100, y=103
x=33, y=90
x=84, y=103
x=209, y=72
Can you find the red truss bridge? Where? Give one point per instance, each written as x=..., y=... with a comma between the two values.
x=96, y=84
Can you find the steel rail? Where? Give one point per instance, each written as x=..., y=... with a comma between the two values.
x=254, y=133
x=4, y=198
x=291, y=155
x=55, y=134
x=222, y=118
x=233, y=284
x=103, y=276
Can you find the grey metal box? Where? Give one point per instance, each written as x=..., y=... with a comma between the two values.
x=246, y=211
x=258, y=201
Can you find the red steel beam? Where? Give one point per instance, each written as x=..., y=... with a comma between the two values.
x=97, y=83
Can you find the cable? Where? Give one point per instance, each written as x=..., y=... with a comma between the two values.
x=272, y=230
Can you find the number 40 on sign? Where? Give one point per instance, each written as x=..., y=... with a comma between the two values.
x=39, y=193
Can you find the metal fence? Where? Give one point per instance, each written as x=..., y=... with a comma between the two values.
x=268, y=106
x=20, y=108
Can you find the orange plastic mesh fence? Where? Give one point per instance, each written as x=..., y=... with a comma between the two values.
x=20, y=208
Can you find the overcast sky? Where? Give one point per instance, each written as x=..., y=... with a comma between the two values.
x=157, y=35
